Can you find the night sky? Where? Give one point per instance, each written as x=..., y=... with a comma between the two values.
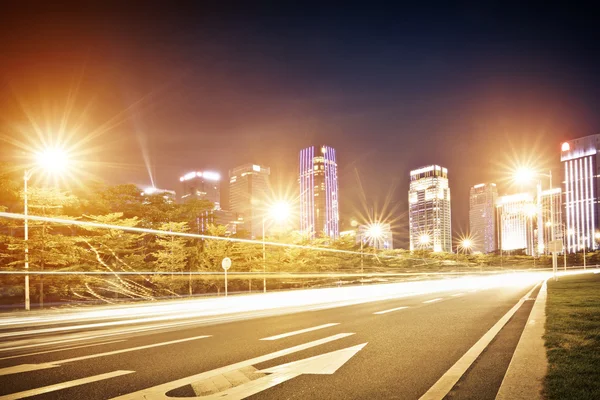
x=156, y=91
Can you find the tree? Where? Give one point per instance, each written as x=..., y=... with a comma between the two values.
x=49, y=245
x=172, y=251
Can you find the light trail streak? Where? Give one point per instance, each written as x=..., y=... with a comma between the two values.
x=187, y=235
x=275, y=275
x=200, y=311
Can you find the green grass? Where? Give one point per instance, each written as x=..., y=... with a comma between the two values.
x=573, y=338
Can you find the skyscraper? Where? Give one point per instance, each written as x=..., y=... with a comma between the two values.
x=482, y=217
x=517, y=214
x=551, y=202
x=202, y=186
x=248, y=195
x=429, y=209
x=319, y=207
x=582, y=205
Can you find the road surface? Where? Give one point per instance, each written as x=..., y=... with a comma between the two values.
x=388, y=346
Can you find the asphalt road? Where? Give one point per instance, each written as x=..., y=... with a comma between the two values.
x=386, y=349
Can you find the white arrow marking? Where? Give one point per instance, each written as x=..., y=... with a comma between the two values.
x=158, y=392
x=324, y=364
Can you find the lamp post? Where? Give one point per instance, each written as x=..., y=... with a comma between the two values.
x=582, y=240
x=52, y=160
x=525, y=174
x=373, y=233
x=280, y=212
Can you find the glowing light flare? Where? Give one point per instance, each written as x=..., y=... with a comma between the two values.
x=375, y=231
x=530, y=210
x=280, y=211
x=212, y=176
x=565, y=146
x=424, y=239
x=53, y=160
x=524, y=174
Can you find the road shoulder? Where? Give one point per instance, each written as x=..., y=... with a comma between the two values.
x=526, y=372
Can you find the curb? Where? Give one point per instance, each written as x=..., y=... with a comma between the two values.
x=525, y=375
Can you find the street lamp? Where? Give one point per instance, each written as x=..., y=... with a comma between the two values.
x=373, y=233
x=466, y=244
x=424, y=240
x=527, y=174
x=53, y=160
x=278, y=212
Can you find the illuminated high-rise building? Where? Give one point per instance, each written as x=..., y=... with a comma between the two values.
x=429, y=209
x=319, y=207
x=517, y=215
x=580, y=159
x=248, y=195
x=482, y=217
x=202, y=186
x=551, y=203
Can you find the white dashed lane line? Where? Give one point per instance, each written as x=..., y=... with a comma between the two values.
x=390, y=310
x=314, y=328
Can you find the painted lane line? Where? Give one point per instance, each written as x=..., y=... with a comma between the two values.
x=457, y=294
x=390, y=310
x=12, y=347
x=314, y=328
x=443, y=386
x=61, y=349
x=433, y=300
x=34, y=367
x=158, y=391
x=64, y=385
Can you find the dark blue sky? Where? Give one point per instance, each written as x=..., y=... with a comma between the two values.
x=472, y=87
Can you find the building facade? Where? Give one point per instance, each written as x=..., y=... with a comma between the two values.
x=249, y=190
x=551, y=203
x=429, y=209
x=202, y=185
x=581, y=180
x=227, y=219
x=517, y=216
x=319, y=196
x=482, y=217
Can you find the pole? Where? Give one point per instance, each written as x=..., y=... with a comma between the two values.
x=26, y=177
x=540, y=223
x=564, y=251
x=554, y=255
x=361, y=257
x=225, y=283
x=584, y=254
x=264, y=257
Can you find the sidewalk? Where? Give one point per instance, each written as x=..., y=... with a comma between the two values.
x=525, y=375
